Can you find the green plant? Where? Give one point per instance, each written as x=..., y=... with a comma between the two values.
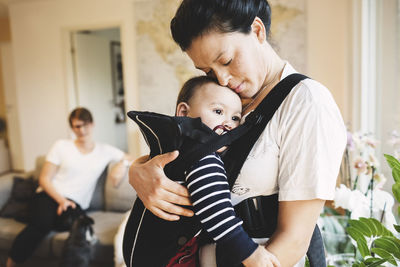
x=375, y=243
x=395, y=166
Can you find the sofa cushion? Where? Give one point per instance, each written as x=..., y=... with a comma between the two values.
x=6, y=182
x=98, y=199
x=17, y=205
x=120, y=198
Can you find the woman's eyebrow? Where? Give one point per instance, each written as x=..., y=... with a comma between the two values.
x=202, y=68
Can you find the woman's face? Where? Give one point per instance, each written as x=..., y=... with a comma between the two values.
x=235, y=59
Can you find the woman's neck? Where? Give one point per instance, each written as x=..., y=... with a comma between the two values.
x=85, y=146
x=272, y=79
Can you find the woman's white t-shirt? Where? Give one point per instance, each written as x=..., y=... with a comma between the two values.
x=78, y=173
x=298, y=155
x=300, y=151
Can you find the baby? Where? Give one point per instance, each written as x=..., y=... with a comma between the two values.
x=220, y=109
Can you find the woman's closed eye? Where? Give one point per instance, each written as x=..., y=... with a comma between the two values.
x=227, y=63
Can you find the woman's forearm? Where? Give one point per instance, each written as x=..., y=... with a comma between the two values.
x=289, y=248
x=296, y=223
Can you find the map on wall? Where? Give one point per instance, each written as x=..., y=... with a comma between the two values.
x=163, y=67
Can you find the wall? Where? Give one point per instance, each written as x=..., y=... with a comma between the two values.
x=329, y=49
x=5, y=37
x=43, y=82
x=11, y=102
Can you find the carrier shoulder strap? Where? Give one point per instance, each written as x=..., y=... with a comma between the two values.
x=237, y=153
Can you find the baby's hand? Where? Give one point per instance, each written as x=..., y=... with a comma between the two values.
x=261, y=257
x=220, y=130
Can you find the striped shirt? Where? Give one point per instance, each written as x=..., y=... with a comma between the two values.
x=209, y=190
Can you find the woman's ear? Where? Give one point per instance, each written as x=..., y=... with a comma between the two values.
x=258, y=28
x=182, y=109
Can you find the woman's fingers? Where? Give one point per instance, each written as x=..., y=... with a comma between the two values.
x=59, y=210
x=158, y=193
x=164, y=159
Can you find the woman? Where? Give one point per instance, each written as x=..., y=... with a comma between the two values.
x=297, y=156
x=67, y=179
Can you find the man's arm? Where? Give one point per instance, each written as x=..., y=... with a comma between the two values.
x=120, y=169
x=47, y=173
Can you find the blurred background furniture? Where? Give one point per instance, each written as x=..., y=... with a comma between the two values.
x=107, y=208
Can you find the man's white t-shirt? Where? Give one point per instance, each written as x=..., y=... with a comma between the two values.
x=78, y=173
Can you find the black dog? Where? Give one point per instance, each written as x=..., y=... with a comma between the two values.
x=78, y=246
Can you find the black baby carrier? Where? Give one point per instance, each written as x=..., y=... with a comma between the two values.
x=151, y=241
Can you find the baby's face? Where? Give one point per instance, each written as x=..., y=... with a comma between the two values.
x=218, y=107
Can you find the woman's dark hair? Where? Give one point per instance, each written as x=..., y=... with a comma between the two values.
x=196, y=17
x=190, y=86
x=81, y=114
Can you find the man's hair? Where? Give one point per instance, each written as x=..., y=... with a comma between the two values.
x=190, y=86
x=81, y=114
x=196, y=17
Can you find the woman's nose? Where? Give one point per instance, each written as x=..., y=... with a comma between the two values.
x=222, y=77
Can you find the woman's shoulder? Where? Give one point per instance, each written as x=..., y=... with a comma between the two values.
x=311, y=92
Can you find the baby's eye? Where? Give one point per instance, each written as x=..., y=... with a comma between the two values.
x=218, y=111
x=236, y=118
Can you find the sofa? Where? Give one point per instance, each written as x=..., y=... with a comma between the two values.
x=107, y=208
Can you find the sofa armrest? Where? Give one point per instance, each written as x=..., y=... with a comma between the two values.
x=6, y=183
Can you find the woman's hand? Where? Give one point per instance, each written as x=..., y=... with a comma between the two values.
x=261, y=257
x=159, y=194
x=63, y=206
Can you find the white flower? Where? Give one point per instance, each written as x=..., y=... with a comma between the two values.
x=357, y=139
x=373, y=161
x=379, y=180
x=348, y=199
x=342, y=197
x=360, y=165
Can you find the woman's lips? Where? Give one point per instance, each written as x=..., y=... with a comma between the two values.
x=220, y=129
x=238, y=88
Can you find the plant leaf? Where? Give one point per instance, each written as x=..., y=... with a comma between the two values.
x=368, y=223
x=363, y=227
x=377, y=262
x=395, y=166
x=388, y=245
x=363, y=247
x=396, y=191
x=384, y=254
x=379, y=226
x=355, y=233
x=397, y=227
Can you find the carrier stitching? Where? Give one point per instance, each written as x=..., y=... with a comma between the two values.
x=136, y=235
x=141, y=219
x=158, y=140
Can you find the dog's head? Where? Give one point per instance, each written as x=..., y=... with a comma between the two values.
x=82, y=229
